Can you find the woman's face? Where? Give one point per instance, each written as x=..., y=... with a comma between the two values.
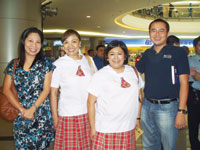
x=72, y=45
x=116, y=58
x=32, y=44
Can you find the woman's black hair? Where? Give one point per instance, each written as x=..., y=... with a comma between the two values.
x=23, y=37
x=68, y=33
x=114, y=44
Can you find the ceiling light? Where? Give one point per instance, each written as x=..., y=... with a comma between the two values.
x=98, y=26
x=50, y=31
x=88, y=17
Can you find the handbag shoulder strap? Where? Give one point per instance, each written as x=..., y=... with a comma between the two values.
x=136, y=72
x=90, y=63
x=14, y=67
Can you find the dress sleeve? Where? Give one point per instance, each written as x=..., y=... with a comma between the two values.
x=9, y=68
x=55, y=82
x=48, y=65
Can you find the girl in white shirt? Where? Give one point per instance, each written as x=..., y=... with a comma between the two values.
x=113, y=101
x=71, y=77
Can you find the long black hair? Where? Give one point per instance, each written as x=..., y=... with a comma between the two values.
x=23, y=37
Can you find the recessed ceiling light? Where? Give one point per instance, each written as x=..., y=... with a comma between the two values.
x=88, y=17
x=98, y=26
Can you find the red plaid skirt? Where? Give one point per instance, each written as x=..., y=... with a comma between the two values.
x=72, y=133
x=115, y=141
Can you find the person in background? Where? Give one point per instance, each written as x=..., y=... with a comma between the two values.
x=91, y=52
x=160, y=10
x=187, y=50
x=190, y=10
x=33, y=128
x=99, y=58
x=193, y=103
x=171, y=7
x=174, y=40
x=176, y=15
x=166, y=71
x=71, y=77
x=113, y=101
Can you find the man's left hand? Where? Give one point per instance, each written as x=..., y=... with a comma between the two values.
x=180, y=121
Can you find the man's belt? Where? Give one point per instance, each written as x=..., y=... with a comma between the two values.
x=160, y=101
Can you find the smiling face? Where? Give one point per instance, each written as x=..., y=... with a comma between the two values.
x=158, y=34
x=116, y=58
x=100, y=52
x=72, y=45
x=32, y=44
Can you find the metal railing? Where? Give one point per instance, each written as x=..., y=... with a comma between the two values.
x=169, y=12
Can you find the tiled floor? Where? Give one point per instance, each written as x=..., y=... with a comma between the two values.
x=7, y=143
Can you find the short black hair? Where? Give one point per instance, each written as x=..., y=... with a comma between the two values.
x=23, y=37
x=68, y=33
x=114, y=44
x=90, y=50
x=98, y=46
x=173, y=39
x=160, y=20
x=195, y=41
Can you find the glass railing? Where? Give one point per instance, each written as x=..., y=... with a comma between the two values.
x=167, y=12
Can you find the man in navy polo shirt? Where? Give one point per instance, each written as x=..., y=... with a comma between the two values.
x=166, y=71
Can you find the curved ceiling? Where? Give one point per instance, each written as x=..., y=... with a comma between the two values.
x=72, y=14
x=138, y=23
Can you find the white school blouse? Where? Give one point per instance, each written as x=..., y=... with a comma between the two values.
x=116, y=108
x=73, y=89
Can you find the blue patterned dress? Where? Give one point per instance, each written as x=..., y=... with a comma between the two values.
x=36, y=134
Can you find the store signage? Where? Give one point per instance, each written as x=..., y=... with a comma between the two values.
x=146, y=42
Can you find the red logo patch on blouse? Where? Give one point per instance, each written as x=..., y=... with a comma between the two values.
x=124, y=84
x=80, y=72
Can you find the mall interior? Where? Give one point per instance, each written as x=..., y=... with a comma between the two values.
x=98, y=22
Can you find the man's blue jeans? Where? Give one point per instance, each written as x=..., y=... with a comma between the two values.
x=158, y=122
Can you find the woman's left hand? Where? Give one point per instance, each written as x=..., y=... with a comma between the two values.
x=29, y=113
x=138, y=125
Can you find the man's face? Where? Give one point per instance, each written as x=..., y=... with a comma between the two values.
x=197, y=48
x=176, y=44
x=100, y=52
x=158, y=33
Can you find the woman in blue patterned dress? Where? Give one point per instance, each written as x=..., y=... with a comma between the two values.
x=33, y=128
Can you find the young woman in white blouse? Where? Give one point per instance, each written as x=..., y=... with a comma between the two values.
x=113, y=102
x=71, y=77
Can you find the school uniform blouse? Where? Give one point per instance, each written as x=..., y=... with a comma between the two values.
x=116, y=106
x=73, y=88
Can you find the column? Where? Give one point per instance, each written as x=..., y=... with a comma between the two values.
x=94, y=41
x=15, y=16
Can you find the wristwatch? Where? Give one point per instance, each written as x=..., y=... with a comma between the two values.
x=183, y=111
